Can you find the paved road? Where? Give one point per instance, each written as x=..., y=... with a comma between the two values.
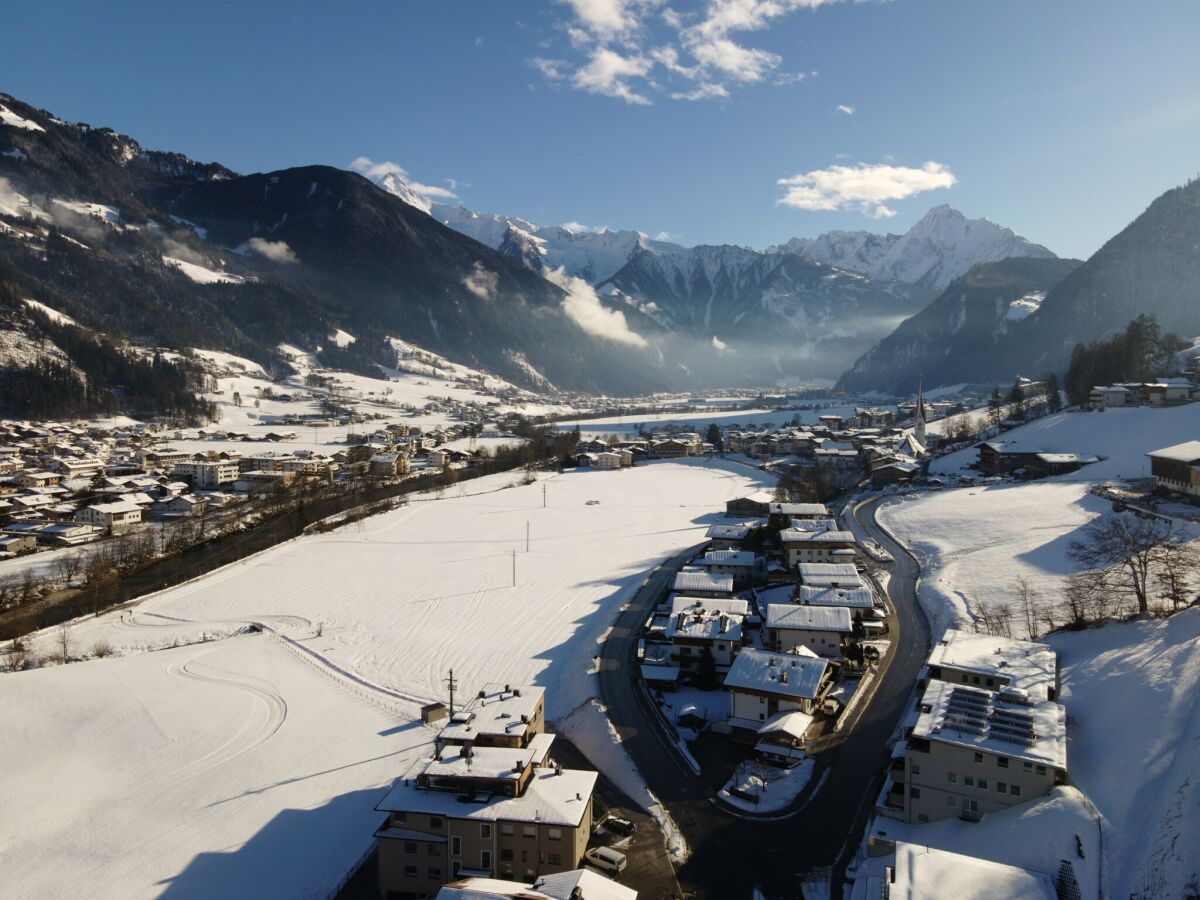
x=730, y=854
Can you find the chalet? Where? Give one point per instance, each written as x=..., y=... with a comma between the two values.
x=181, y=505
x=763, y=683
x=1046, y=464
x=756, y=504
x=1002, y=457
x=1108, y=396
x=39, y=479
x=69, y=534
x=821, y=629
x=697, y=623
x=874, y=417
x=609, y=459
x=972, y=752
x=728, y=537
x=384, y=465
x=1177, y=468
x=801, y=546
x=782, y=738
x=897, y=471
x=783, y=513
x=741, y=564
x=829, y=575
x=852, y=598
x=16, y=544
x=673, y=448
x=703, y=584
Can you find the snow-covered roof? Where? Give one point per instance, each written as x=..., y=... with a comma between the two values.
x=985, y=720
x=500, y=763
x=829, y=575
x=700, y=623
x=923, y=873
x=853, y=598
x=503, y=710
x=798, y=509
x=703, y=581
x=1187, y=452
x=1028, y=665
x=552, y=797
x=795, y=675
x=798, y=535
x=809, y=618
x=1013, y=447
x=729, y=532
x=729, y=606
x=111, y=509
x=794, y=723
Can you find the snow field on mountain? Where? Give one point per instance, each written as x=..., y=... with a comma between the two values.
x=394, y=601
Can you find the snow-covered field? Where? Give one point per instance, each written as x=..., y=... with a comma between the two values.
x=747, y=418
x=974, y=542
x=398, y=600
x=1130, y=689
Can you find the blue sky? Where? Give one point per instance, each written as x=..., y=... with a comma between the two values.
x=1060, y=118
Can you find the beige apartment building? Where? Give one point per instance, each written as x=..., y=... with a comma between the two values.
x=490, y=803
x=973, y=752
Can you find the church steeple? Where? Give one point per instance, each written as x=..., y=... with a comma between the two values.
x=919, y=416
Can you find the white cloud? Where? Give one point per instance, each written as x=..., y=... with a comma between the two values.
x=583, y=306
x=865, y=187
x=623, y=44
x=276, y=251
x=844, y=109
x=481, y=282
x=608, y=72
x=378, y=170
x=664, y=236
x=719, y=345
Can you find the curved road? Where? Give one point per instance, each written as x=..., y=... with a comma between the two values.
x=731, y=854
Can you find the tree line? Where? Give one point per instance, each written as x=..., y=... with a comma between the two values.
x=1139, y=353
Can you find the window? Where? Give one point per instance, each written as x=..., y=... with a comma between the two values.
x=410, y=871
x=506, y=829
x=1028, y=768
x=456, y=846
x=951, y=800
x=978, y=757
x=1041, y=770
x=506, y=855
x=524, y=856
x=435, y=821
x=915, y=793
x=434, y=849
x=435, y=873
x=528, y=831
x=1002, y=762
x=983, y=784
x=485, y=860
x=991, y=682
x=485, y=831
x=953, y=777
x=410, y=846
x=554, y=834
x=968, y=781
x=762, y=699
x=399, y=817
x=555, y=859
x=916, y=769
x=1001, y=787
x=1015, y=790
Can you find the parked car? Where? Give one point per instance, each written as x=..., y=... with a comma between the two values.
x=619, y=825
x=607, y=859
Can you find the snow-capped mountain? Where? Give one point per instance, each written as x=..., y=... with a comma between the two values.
x=942, y=246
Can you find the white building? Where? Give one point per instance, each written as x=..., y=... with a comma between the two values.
x=992, y=663
x=821, y=629
x=837, y=575
x=697, y=623
x=113, y=517
x=803, y=546
x=208, y=473
x=762, y=683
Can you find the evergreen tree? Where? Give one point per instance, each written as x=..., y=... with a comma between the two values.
x=706, y=671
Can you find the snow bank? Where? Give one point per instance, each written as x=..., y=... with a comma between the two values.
x=202, y=274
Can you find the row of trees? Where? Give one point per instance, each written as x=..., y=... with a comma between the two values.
x=1132, y=565
x=1139, y=353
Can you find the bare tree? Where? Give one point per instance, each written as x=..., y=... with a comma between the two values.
x=1126, y=546
x=68, y=565
x=1176, y=566
x=64, y=644
x=18, y=653
x=1027, y=598
x=1079, y=597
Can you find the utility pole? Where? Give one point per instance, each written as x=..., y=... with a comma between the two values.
x=526, y=535
x=543, y=495
x=514, y=555
x=453, y=684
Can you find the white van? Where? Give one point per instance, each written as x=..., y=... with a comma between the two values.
x=607, y=859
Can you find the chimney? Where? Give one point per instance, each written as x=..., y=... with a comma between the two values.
x=524, y=719
x=771, y=662
x=783, y=677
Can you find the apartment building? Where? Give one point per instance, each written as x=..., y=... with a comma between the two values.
x=697, y=623
x=209, y=474
x=972, y=752
x=762, y=683
x=490, y=803
x=993, y=663
x=804, y=546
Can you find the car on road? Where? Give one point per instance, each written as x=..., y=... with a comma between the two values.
x=607, y=859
